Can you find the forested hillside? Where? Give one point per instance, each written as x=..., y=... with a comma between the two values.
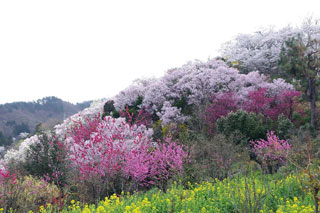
x=25, y=117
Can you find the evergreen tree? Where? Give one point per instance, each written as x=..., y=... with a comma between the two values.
x=300, y=56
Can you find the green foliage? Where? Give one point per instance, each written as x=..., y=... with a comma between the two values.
x=182, y=104
x=110, y=110
x=134, y=108
x=83, y=105
x=47, y=159
x=26, y=194
x=157, y=131
x=11, y=123
x=39, y=128
x=301, y=58
x=175, y=131
x=306, y=158
x=291, y=57
x=108, y=107
x=250, y=193
x=285, y=127
x=217, y=157
x=23, y=127
x=5, y=141
x=115, y=114
x=249, y=126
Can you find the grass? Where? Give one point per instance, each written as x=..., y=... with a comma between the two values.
x=250, y=193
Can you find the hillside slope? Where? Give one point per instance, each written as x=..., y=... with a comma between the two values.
x=19, y=117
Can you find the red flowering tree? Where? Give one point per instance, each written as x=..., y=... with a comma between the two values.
x=221, y=106
x=287, y=102
x=258, y=102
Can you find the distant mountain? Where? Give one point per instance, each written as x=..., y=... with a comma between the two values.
x=27, y=117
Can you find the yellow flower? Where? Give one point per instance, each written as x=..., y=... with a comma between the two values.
x=100, y=209
x=295, y=199
x=113, y=197
x=86, y=210
x=42, y=209
x=279, y=211
x=106, y=203
x=136, y=210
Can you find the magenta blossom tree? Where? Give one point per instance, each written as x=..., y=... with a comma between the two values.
x=270, y=105
x=221, y=106
x=259, y=102
x=287, y=102
x=155, y=165
x=272, y=153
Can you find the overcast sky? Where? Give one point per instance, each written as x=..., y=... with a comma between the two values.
x=84, y=50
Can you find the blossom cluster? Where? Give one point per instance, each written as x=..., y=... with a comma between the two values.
x=97, y=147
x=103, y=148
x=272, y=149
x=261, y=50
x=194, y=83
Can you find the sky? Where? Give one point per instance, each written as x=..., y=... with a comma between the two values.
x=86, y=50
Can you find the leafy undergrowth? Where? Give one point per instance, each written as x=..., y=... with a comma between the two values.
x=250, y=193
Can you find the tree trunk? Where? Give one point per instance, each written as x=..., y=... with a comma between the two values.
x=313, y=99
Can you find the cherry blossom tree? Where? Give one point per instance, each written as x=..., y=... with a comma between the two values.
x=261, y=50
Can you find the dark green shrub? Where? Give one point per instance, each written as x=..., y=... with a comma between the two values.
x=182, y=104
x=108, y=107
x=285, y=127
x=110, y=110
x=5, y=141
x=47, y=159
x=249, y=126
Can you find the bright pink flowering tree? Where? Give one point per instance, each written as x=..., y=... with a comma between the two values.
x=98, y=149
x=272, y=152
x=106, y=152
x=6, y=182
x=5, y=176
x=167, y=160
x=155, y=165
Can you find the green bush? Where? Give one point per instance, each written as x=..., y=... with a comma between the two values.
x=110, y=110
x=27, y=193
x=243, y=126
x=285, y=127
x=47, y=159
